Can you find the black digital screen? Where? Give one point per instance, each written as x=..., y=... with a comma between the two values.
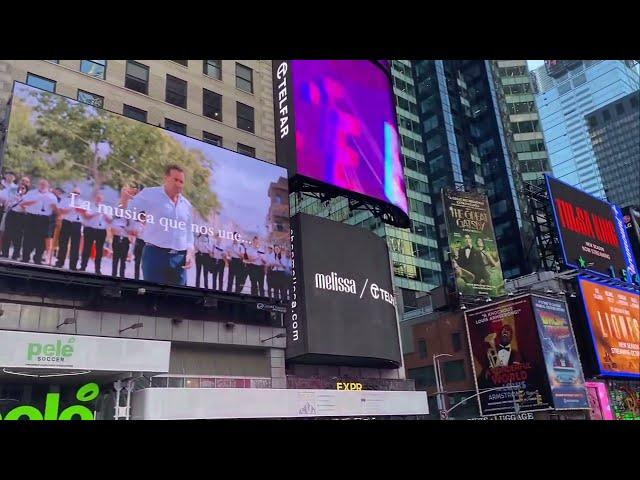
x=343, y=309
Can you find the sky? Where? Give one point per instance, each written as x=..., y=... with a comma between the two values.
x=533, y=64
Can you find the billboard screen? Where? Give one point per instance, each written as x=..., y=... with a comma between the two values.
x=613, y=316
x=91, y=191
x=343, y=309
x=336, y=125
x=506, y=357
x=472, y=243
x=560, y=353
x=591, y=231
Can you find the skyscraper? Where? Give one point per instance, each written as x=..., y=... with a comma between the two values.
x=615, y=138
x=521, y=119
x=568, y=90
x=466, y=146
x=414, y=251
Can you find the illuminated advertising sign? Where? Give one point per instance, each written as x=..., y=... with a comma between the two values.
x=591, y=231
x=625, y=399
x=599, y=401
x=101, y=193
x=343, y=309
x=472, y=243
x=613, y=316
x=560, y=353
x=507, y=360
x=336, y=125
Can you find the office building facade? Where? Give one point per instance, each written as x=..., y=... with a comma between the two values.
x=465, y=145
x=615, y=138
x=568, y=90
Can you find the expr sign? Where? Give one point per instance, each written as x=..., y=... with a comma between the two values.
x=342, y=306
x=79, y=352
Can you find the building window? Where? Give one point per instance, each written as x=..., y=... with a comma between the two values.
x=619, y=108
x=184, y=63
x=246, y=150
x=135, y=113
x=245, y=117
x=137, y=77
x=454, y=371
x=175, y=126
x=212, y=139
x=176, y=91
x=423, y=376
x=213, y=68
x=422, y=348
x=90, y=98
x=606, y=115
x=456, y=341
x=211, y=104
x=95, y=68
x=41, y=82
x=244, y=78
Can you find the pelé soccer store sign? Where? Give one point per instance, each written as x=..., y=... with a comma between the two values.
x=27, y=350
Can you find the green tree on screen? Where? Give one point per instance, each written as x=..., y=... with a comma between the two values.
x=63, y=140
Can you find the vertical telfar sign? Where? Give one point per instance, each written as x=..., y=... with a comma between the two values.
x=560, y=354
x=472, y=243
x=506, y=357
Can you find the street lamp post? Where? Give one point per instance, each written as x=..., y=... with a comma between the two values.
x=439, y=385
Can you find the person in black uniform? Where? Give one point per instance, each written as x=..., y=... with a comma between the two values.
x=38, y=205
x=218, y=262
x=256, y=266
x=138, y=247
x=203, y=249
x=95, y=231
x=71, y=230
x=237, y=270
x=119, y=245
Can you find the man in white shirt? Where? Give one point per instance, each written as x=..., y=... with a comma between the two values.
x=168, y=250
x=136, y=227
x=15, y=218
x=70, y=230
x=38, y=205
x=94, y=231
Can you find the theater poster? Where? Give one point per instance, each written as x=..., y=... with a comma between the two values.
x=472, y=243
x=507, y=361
x=560, y=354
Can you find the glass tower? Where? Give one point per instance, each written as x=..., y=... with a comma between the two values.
x=465, y=145
x=567, y=91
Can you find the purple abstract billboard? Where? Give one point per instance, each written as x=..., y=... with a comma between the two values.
x=338, y=119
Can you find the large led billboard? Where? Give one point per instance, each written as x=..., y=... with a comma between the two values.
x=564, y=369
x=91, y=191
x=507, y=360
x=336, y=126
x=613, y=315
x=472, y=243
x=343, y=310
x=591, y=231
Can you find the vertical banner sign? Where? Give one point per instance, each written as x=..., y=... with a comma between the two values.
x=599, y=401
x=472, y=243
x=613, y=315
x=560, y=354
x=507, y=361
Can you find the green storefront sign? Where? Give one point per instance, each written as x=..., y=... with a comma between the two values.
x=87, y=393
